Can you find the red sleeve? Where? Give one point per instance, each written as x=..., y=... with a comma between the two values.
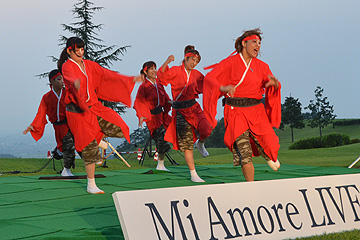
x=200, y=83
x=273, y=105
x=112, y=86
x=211, y=90
x=142, y=110
x=39, y=121
x=272, y=99
x=166, y=77
x=167, y=105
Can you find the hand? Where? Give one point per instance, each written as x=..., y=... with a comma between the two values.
x=28, y=129
x=273, y=81
x=77, y=84
x=170, y=59
x=141, y=121
x=229, y=89
x=139, y=78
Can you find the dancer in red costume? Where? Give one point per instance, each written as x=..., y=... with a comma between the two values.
x=88, y=119
x=243, y=79
x=188, y=119
x=152, y=105
x=53, y=105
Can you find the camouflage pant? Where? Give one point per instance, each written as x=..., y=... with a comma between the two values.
x=110, y=129
x=91, y=153
x=242, y=153
x=68, y=150
x=184, y=133
x=162, y=146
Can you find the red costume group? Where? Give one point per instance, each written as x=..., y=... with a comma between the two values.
x=248, y=81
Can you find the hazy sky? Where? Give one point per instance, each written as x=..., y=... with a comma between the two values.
x=307, y=43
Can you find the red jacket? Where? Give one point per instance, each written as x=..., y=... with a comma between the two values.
x=96, y=82
x=258, y=119
x=183, y=87
x=150, y=96
x=54, y=107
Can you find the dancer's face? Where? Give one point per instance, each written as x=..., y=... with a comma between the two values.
x=191, y=62
x=252, y=48
x=76, y=55
x=58, y=83
x=151, y=73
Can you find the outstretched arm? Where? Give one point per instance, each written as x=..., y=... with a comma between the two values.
x=28, y=129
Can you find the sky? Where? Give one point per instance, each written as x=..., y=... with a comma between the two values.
x=306, y=43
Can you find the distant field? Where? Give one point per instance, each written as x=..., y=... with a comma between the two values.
x=340, y=156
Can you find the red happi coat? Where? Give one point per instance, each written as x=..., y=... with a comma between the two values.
x=95, y=82
x=54, y=107
x=183, y=88
x=148, y=97
x=258, y=119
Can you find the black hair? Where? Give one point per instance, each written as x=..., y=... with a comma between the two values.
x=147, y=65
x=72, y=43
x=238, y=43
x=191, y=49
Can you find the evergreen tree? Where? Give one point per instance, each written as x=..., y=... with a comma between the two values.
x=138, y=139
x=291, y=114
x=94, y=50
x=216, y=139
x=322, y=113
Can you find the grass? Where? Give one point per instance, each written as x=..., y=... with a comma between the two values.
x=340, y=156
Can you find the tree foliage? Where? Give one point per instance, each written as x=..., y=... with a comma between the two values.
x=321, y=112
x=94, y=49
x=291, y=114
x=138, y=139
x=216, y=139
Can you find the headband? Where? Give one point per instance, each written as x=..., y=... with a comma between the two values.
x=56, y=75
x=71, y=47
x=146, y=67
x=190, y=54
x=251, y=37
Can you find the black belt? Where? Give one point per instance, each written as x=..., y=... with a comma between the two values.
x=241, y=102
x=60, y=123
x=157, y=110
x=183, y=104
x=71, y=107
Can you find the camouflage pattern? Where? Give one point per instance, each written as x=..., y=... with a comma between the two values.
x=184, y=133
x=110, y=129
x=91, y=153
x=68, y=150
x=260, y=149
x=162, y=146
x=244, y=148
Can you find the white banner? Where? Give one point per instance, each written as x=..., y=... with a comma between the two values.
x=276, y=209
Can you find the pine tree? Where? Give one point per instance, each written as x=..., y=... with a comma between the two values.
x=216, y=139
x=322, y=113
x=94, y=50
x=291, y=114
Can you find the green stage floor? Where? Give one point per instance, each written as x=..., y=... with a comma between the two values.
x=33, y=208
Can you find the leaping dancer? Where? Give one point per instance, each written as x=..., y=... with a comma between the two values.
x=243, y=79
